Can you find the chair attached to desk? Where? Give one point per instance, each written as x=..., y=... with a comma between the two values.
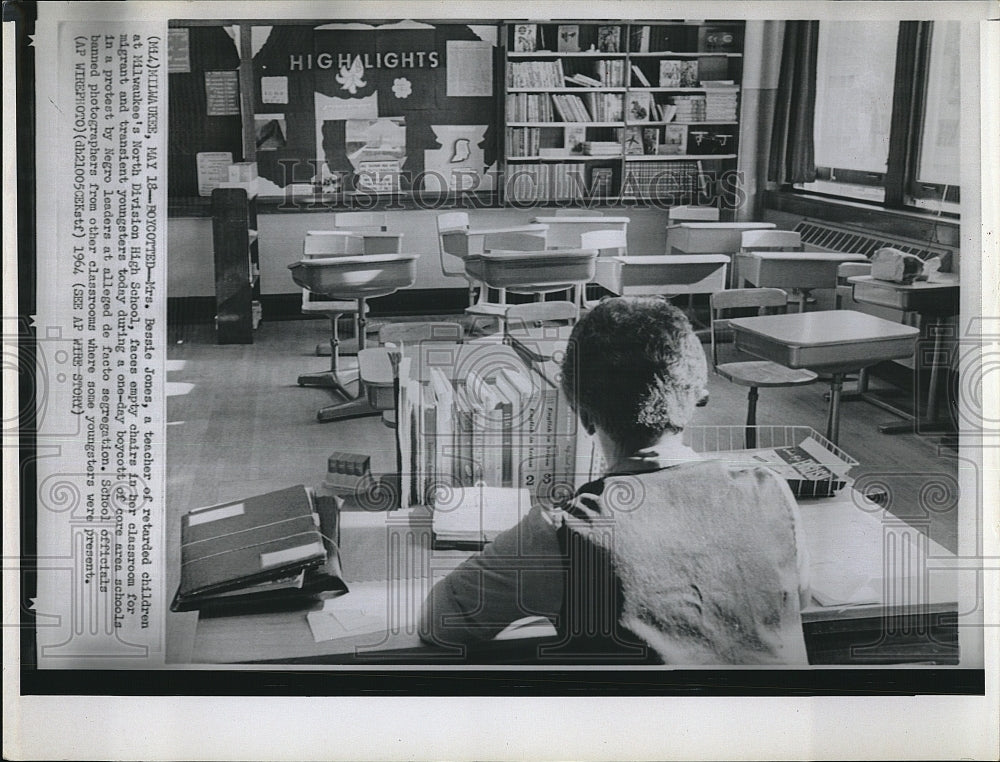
x=519, y=263
x=345, y=224
x=457, y=242
x=358, y=267
x=752, y=373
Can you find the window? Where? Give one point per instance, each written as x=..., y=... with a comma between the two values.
x=854, y=75
x=937, y=171
x=886, y=126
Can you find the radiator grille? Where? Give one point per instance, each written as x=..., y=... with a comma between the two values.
x=844, y=238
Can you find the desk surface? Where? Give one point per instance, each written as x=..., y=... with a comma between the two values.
x=805, y=256
x=723, y=225
x=941, y=282
x=846, y=538
x=671, y=260
x=824, y=328
x=567, y=220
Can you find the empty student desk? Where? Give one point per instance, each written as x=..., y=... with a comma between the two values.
x=709, y=237
x=662, y=274
x=831, y=341
x=565, y=231
x=804, y=270
x=935, y=301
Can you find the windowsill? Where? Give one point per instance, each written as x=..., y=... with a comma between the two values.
x=781, y=200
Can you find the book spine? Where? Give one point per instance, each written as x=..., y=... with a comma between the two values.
x=493, y=448
x=507, y=446
x=431, y=450
x=566, y=468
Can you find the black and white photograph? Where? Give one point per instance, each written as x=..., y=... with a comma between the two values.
x=371, y=351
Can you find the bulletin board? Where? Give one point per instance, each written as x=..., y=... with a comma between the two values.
x=338, y=107
x=396, y=106
x=202, y=61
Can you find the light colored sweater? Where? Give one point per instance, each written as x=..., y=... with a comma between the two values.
x=707, y=558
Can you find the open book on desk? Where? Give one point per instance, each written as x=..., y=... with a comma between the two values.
x=476, y=515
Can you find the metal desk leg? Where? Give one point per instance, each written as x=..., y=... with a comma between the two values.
x=928, y=423
x=833, y=414
x=358, y=407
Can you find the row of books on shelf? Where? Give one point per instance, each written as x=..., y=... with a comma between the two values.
x=562, y=180
x=529, y=107
x=523, y=141
x=527, y=74
x=570, y=38
x=505, y=428
x=655, y=180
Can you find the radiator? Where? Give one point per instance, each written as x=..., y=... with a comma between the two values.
x=846, y=238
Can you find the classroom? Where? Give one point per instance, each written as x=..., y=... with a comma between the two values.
x=382, y=233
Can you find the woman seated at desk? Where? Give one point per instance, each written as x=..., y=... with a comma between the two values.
x=700, y=561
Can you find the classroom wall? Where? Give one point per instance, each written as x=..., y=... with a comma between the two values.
x=191, y=271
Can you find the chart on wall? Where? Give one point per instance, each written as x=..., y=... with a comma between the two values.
x=375, y=108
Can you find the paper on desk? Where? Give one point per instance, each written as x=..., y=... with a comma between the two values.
x=831, y=586
x=357, y=613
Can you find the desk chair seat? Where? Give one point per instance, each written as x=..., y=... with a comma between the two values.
x=353, y=279
x=753, y=374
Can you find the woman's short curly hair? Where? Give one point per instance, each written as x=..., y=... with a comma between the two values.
x=635, y=367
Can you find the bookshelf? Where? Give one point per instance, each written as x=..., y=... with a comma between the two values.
x=604, y=112
x=237, y=265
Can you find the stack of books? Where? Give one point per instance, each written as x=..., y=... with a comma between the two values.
x=690, y=108
x=265, y=550
x=602, y=148
x=720, y=104
x=584, y=81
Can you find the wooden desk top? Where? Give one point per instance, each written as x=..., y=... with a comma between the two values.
x=941, y=282
x=824, y=328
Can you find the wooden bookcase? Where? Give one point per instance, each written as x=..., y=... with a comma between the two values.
x=660, y=116
x=237, y=265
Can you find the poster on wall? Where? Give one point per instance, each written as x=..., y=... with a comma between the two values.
x=274, y=89
x=213, y=170
x=222, y=93
x=179, y=51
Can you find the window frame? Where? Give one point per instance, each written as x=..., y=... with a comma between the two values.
x=902, y=189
